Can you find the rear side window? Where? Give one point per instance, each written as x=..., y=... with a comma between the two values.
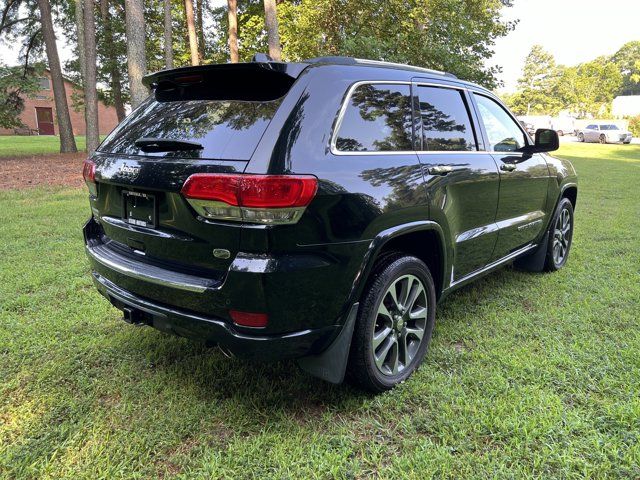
x=226, y=129
x=377, y=118
x=445, y=120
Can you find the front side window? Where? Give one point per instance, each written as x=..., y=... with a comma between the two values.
x=377, y=119
x=445, y=120
x=608, y=127
x=503, y=132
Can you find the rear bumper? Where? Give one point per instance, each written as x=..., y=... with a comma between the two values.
x=216, y=330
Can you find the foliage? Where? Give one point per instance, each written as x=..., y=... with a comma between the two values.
x=539, y=75
x=451, y=35
x=634, y=125
x=527, y=376
x=627, y=58
x=15, y=84
x=585, y=90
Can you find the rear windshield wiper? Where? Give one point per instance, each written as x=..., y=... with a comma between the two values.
x=166, y=145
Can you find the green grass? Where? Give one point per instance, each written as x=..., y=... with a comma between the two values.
x=528, y=375
x=19, y=145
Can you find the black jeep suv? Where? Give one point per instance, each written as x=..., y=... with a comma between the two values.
x=318, y=210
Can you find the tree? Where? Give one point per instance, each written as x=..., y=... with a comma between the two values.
x=111, y=63
x=539, y=75
x=627, y=59
x=16, y=83
x=233, y=30
x=200, y=8
x=137, y=59
x=168, y=34
x=90, y=83
x=191, y=28
x=451, y=35
x=79, y=16
x=67, y=141
x=596, y=84
x=271, y=24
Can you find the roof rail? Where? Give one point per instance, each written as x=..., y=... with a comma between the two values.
x=337, y=60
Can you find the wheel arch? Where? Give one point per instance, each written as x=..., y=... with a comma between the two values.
x=422, y=239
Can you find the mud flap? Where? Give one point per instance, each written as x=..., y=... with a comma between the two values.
x=534, y=262
x=331, y=364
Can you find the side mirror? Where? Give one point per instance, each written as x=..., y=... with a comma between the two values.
x=547, y=140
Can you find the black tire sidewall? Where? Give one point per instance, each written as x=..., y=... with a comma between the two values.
x=367, y=373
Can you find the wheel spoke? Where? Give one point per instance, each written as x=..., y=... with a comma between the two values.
x=420, y=312
x=394, y=296
x=379, y=337
x=382, y=356
x=405, y=286
x=395, y=359
x=403, y=350
x=415, y=332
x=384, y=311
x=416, y=290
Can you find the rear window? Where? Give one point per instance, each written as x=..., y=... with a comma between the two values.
x=377, y=118
x=226, y=129
x=445, y=120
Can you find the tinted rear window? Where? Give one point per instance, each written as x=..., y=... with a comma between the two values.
x=227, y=129
x=445, y=120
x=377, y=118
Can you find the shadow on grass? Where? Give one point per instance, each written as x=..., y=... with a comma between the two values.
x=258, y=389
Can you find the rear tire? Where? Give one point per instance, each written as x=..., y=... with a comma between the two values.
x=581, y=137
x=394, y=324
x=603, y=139
x=560, y=236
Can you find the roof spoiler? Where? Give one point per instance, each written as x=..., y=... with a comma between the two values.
x=262, y=63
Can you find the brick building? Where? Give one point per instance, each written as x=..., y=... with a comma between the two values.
x=39, y=114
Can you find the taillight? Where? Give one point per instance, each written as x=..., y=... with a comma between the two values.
x=89, y=175
x=249, y=319
x=268, y=199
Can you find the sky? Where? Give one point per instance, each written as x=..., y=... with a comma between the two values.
x=574, y=31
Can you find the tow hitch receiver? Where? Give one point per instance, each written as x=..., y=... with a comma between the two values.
x=135, y=316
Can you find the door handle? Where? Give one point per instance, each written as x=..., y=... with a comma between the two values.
x=440, y=170
x=508, y=167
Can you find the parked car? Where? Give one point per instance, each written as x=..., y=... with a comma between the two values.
x=604, y=133
x=250, y=206
x=528, y=127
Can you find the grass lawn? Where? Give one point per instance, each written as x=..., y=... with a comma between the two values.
x=20, y=145
x=528, y=375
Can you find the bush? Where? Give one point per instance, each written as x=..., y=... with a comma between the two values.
x=634, y=125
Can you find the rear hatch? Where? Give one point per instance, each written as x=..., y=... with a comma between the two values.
x=197, y=120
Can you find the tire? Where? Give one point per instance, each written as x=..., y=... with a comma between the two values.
x=561, y=133
x=561, y=225
x=603, y=139
x=581, y=137
x=377, y=359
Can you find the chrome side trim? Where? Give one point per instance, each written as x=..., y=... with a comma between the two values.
x=148, y=273
x=491, y=266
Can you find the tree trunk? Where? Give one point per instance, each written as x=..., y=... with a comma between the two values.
x=80, y=34
x=191, y=28
x=200, y=28
x=168, y=35
x=233, y=30
x=136, y=56
x=91, y=79
x=67, y=142
x=271, y=23
x=113, y=67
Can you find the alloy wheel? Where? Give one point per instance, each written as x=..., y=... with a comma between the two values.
x=562, y=236
x=400, y=325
